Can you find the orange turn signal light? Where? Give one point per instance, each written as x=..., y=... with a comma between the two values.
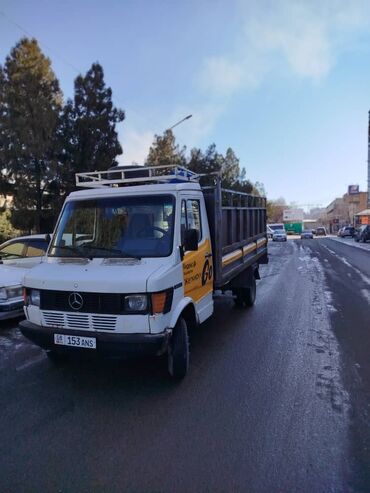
x=158, y=302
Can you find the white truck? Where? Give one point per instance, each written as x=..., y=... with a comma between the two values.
x=135, y=260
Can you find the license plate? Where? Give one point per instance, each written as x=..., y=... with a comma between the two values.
x=77, y=341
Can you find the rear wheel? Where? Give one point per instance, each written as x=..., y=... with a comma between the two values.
x=246, y=297
x=178, y=351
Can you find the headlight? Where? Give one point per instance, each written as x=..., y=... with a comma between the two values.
x=3, y=294
x=136, y=303
x=34, y=297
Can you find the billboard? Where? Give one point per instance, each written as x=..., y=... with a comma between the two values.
x=352, y=189
x=293, y=215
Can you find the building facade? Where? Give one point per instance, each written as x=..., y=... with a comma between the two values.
x=342, y=211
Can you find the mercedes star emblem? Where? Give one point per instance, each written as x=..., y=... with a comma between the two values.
x=75, y=301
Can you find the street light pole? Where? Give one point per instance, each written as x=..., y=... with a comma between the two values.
x=178, y=123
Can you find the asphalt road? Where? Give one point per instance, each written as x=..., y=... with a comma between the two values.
x=277, y=398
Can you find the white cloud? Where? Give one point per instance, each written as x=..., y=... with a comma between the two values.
x=222, y=75
x=305, y=37
x=302, y=38
x=135, y=145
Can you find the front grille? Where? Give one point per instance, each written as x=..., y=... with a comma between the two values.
x=84, y=321
x=104, y=303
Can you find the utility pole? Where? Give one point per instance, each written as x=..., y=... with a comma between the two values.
x=368, y=164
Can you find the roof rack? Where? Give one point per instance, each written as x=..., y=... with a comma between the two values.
x=130, y=175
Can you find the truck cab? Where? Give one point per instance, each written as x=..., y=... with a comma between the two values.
x=129, y=268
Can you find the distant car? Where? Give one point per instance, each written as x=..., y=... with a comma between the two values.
x=279, y=235
x=320, y=231
x=347, y=231
x=307, y=234
x=16, y=256
x=275, y=226
x=362, y=233
x=269, y=231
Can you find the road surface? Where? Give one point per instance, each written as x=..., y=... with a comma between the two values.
x=277, y=398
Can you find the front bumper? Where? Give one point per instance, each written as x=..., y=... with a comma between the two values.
x=11, y=309
x=107, y=344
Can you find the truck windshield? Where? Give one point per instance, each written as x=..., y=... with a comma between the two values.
x=140, y=226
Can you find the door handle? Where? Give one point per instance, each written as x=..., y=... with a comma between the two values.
x=208, y=255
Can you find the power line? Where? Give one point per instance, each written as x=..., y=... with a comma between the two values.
x=44, y=45
x=21, y=28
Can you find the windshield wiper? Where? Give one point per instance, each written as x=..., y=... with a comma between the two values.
x=130, y=255
x=117, y=253
x=69, y=248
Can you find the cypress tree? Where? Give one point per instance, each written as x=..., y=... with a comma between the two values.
x=29, y=113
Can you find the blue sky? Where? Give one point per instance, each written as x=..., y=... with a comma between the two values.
x=286, y=84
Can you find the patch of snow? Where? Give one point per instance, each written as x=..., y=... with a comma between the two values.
x=366, y=294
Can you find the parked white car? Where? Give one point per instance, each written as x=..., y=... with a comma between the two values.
x=16, y=257
x=11, y=298
x=24, y=251
x=279, y=235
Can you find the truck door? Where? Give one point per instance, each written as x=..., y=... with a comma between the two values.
x=198, y=265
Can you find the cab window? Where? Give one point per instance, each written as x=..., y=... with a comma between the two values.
x=193, y=216
x=190, y=217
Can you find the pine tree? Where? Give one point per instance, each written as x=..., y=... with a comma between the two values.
x=3, y=178
x=230, y=169
x=88, y=135
x=214, y=162
x=31, y=102
x=164, y=151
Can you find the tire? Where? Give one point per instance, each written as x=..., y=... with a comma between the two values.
x=246, y=297
x=178, y=351
x=238, y=300
x=250, y=293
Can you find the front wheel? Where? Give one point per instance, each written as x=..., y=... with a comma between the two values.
x=178, y=351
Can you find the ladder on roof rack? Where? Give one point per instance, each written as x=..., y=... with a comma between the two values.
x=132, y=175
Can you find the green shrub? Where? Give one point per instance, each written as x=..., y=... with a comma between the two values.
x=6, y=229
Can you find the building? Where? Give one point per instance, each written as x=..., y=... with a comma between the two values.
x=342, y=211
x=363, y=217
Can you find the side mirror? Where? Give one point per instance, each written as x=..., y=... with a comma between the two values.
x=190, y=240
x=48, y=238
